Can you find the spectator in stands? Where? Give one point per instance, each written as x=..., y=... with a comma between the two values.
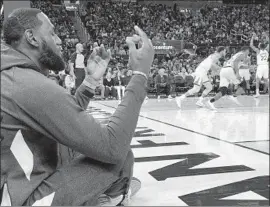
x=101, y=87
x=205, y=26
x=119, y=84
x=109, y=84
x=184, y=73
x=162, y=84
x=115, y=71
x=69, y=83
x=77, y=65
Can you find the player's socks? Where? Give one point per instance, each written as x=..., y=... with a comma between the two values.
x=257, y=93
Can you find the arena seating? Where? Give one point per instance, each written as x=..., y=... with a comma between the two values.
x=110, y=22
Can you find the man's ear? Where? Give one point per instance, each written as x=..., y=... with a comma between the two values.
x=30, y=37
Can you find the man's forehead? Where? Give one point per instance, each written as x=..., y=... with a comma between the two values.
x=45, y=19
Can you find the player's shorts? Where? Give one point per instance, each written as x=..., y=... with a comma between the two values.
x=262, y=71
x=244, y=73
x=227, y=76
x=200, y=79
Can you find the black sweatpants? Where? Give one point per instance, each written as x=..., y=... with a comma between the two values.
x=82, y=181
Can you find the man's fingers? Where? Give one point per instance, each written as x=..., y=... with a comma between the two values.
x=140, y=32
x=108, y=55
x=102, y=50
x=93, y=54
x=142, y=35
x=136, y=39
x=131, y=45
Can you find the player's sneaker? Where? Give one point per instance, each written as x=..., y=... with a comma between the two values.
x=256, y=96
x=179, y=100
x=211, y=105
x=199, y=103
x=170, y=97
x=122, y=200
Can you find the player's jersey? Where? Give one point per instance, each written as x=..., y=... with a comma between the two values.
x=262, y=57
x=231, y=61
x=205, y=65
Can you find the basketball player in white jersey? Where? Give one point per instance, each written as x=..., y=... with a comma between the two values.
x=201, y=77
x=244, y=73
x=230, y=74
x=262, y=63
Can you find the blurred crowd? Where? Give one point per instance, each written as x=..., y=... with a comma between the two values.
x=109, y=23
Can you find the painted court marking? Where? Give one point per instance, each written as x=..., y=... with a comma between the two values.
x=196, y=132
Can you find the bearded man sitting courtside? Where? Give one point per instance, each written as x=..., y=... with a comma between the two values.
x=42, y=122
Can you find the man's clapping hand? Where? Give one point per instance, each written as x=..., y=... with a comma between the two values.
x=98, y=62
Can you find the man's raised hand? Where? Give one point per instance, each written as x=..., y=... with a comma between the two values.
x=140, y=59
x=98, y=62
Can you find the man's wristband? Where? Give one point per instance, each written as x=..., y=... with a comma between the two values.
x=140, y=73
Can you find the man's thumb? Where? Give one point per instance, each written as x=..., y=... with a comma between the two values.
x=109, y=55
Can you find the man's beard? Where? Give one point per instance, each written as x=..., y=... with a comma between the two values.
x=49, y=59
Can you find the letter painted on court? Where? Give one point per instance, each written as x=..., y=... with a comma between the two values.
x=249, y=192
x=182, y=168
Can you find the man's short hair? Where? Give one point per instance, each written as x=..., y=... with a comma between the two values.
x=244, y=48
x=18, y=22
x=221, y=48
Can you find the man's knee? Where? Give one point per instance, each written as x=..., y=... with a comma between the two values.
x=223, y=90
x=121, y=186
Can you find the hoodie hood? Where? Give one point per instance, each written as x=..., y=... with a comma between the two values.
x=13, y=58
